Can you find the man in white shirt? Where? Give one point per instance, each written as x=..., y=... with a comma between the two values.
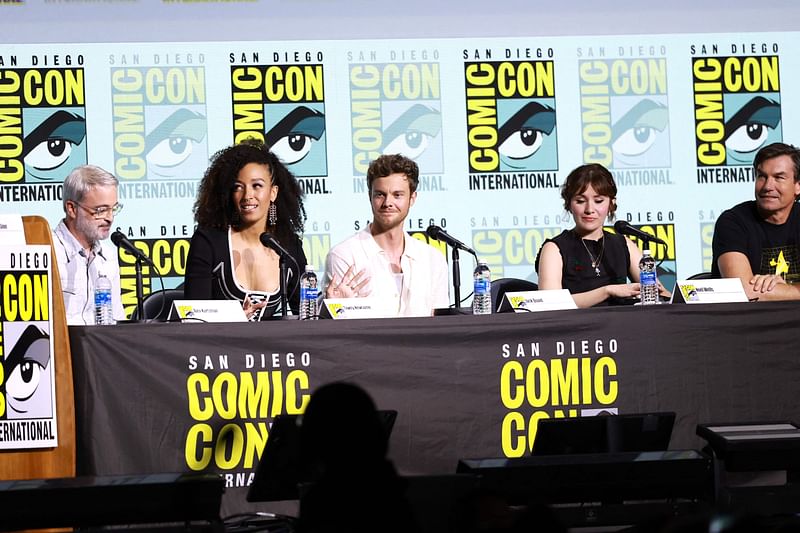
x=382, y=261
x=90, y=203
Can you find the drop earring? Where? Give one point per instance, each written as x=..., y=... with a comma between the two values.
x=272, y=214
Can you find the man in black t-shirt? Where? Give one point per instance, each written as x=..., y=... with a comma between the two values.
x=759, y=241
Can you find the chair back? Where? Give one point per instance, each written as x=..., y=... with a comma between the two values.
x=503, y=285
x=156, y=304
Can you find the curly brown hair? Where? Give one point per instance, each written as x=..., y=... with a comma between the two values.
x=387, y=165
x=214, y=207
x=595, y=175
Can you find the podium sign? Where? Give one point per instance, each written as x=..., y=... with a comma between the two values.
x=542, y=300
x=27, y=381
x=709, y=291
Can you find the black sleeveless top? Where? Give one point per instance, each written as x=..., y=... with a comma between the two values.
x=210, y=273
x=577, y=273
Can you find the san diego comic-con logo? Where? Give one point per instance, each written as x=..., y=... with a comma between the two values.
x=510, y=252
x=566, y=379
x=625, y=116
x=169, y=254
x=42, y=125
x=159, y=123
x=511, y=122
x=283, y=105
x=737, y=111
x=395, y=107
x=27, y=391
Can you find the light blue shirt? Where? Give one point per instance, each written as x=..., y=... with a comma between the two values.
x=78, y=274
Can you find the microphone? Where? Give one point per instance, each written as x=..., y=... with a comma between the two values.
x=435, y=232
x=121, y=241
x=620, y=226
x=271, y=242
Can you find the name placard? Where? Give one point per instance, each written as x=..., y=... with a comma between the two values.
x=347, y=308
x=709, y=291
x=533, y=301
x=11, y=230
x=206, y=311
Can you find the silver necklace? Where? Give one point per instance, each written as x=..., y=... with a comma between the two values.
x=596, y=260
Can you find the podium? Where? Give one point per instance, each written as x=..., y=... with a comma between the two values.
x=59, y=461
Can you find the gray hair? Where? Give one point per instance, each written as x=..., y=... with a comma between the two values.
x=84, y=178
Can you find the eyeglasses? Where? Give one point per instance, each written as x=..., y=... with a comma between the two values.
x=102, y=211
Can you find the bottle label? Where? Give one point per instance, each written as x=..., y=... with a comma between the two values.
x=102, y=297
x=309, y=293
x=647, y=278
x=482, y=287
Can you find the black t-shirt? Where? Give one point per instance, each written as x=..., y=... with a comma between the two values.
x=770, y=248
x=577, y=273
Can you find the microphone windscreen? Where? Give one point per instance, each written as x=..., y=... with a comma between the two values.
x=433, y=231
x=117, y=238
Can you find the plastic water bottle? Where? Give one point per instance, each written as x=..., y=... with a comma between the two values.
x=482, y=297
x=648, y=279
x=308, y=294
x=103, y=310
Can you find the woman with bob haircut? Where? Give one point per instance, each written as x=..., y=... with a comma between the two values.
x=593, y=264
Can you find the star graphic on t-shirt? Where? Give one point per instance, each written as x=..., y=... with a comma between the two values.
x=780, y=264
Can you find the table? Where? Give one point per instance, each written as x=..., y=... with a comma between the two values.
x=199, y=397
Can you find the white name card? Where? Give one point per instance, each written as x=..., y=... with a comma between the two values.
x=532, y=301
x=709, y=291
x=207, y=311
x=11, y=230
x=346, y=308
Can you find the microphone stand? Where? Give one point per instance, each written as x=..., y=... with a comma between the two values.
x=456, y=279
x=139, y=291
x=284, y=304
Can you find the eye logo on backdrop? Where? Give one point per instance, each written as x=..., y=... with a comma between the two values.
x=395, y=108
x=160, y=128
x=283, y=105
x=625, y=115
x=511, y=121
x=737, y=102
x=43, y=128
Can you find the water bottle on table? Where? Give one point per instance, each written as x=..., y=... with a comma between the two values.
x=482, y=296
x=648, y=279
x=103, y=309
x=308, y=294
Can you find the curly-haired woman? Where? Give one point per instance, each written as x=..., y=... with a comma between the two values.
x=246, y=191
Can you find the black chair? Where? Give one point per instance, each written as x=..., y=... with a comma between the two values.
x=503, y=285
x=153, y=302
x=701, y=275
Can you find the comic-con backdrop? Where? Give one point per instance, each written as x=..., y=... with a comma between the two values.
x=494, y=124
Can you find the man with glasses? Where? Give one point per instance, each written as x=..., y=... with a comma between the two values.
x=90, y=203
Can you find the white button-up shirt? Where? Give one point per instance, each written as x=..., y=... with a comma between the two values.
x=425, y=277
x=78, y=275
